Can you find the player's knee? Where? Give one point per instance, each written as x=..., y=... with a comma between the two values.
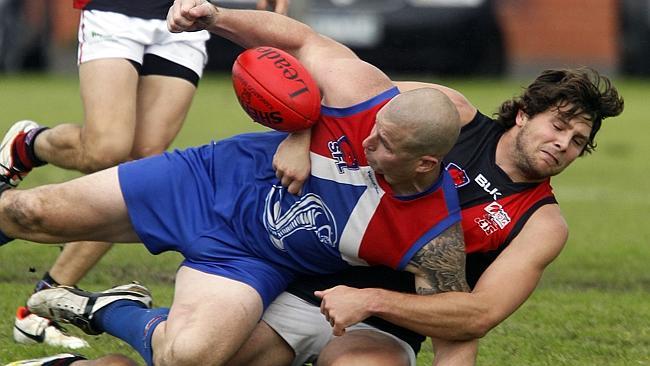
x=24, y=210
x=99, y=157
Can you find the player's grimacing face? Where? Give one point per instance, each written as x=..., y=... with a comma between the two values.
x=547, y=143
x=383, y=151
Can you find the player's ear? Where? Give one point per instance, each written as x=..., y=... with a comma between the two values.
x=427, y=163
x=521, y=118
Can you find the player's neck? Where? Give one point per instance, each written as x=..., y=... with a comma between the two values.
x=418, y=184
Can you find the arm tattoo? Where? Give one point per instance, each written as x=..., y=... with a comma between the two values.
x=439, y=266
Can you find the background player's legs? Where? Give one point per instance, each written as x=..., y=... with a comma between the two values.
x=210, y=318
x=163, y=103
x=108, y=132
x=108, y=90
x=76, y=259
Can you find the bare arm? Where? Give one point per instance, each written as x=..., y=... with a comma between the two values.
x=502, y=288
x=343, y=78
x=291, y=161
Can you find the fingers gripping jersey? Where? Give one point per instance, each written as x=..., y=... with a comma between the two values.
x=351, y=211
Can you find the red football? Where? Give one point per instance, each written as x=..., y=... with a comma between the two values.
x=275, y=89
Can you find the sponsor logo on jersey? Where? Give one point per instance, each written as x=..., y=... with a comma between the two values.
x=497, y=214
x=457, y=174
x=486, y=224
x=341, y=152
x=484, y=183
x=494, y=219
x=309, y=213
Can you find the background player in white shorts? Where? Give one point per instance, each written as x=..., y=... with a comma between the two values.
x=137, y=81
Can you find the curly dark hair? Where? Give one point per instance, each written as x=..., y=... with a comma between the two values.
x=584, y=90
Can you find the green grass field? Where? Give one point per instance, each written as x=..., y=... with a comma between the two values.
x=592, y=307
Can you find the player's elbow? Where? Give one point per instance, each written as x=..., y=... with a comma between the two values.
x=480, y=327
x=483, y=321
x=478, y=323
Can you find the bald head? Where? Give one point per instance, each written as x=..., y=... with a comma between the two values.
x=428, y=117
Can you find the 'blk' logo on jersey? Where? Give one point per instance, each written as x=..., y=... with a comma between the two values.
x=482, y=181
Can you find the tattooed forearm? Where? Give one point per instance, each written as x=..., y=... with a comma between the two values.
x=439, y=266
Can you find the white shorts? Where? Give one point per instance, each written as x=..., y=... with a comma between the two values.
x=306, y=330
x=104, y=34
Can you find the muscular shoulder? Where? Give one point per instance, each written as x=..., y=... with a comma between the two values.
x=349, y=81
x=543, y=236
x=549, y=218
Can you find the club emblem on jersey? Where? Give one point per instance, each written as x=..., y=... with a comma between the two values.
x=341, y=152
x=498, y=215
x=309, y=213
x=457, y=174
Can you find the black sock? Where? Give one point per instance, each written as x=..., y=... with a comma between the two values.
x=46, y=282
x=29, y=144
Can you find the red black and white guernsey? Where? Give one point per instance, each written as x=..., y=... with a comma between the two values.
x=494, y=210
x=144, y=9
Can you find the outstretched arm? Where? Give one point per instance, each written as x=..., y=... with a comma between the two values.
x=343, y=78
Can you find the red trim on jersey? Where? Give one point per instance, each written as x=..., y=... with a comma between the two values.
x=397, y=225
x=80, y=4
x=83, y=38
